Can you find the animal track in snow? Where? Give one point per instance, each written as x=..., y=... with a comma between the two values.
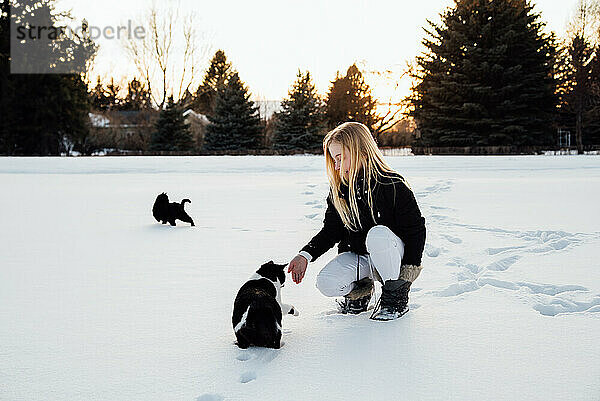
x=255, y=359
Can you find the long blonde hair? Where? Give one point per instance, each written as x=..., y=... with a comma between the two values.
x=365, y=155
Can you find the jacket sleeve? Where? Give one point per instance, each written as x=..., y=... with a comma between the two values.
x=409, y=224
x=331, y=233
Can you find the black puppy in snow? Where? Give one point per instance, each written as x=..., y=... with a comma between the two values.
x=164, y=212
x=257, y=309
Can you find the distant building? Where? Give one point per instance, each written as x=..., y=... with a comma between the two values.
x=266, y=108
x=123, y=130
x=132, y=130
x=198, y=123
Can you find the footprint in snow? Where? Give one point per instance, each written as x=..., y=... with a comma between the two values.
x=454, y=240
x=244, y=356
x=458, y=289
x=434, y=189
x=497, y=283
x=247, y=376
x=308, y=193
x=503, y=264
x=414, y=306
x=441, y=208
x=473, y=268
x=432, y=251
x=551, y=289
x=495, y=251
x=311, y=216
x=210, y=397
x=559, y=306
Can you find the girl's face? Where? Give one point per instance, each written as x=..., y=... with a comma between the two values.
x=335, y=151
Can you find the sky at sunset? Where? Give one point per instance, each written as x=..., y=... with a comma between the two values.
x=269, y=40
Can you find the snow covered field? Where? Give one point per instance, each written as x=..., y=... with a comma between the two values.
x=100, y=302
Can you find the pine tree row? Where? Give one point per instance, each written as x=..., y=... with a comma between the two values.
x=491, y=75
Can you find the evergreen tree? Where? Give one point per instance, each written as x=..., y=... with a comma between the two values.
x=112, y=95
x=235, y=124
x=350, y=99
x=301, y=123
x=579, y=80
x=172, y=133
x=486, y=77
x=40, y=112
x=106, y=98
x=592, y=115
x=7, y=140
x=215, y=78
x=138, y=97
x=576, y=100
x=99, y=97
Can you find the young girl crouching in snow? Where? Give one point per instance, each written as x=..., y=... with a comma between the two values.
x=373, y=216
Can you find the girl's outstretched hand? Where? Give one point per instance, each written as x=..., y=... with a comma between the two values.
x=297, y=268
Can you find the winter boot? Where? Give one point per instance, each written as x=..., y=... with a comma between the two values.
x=394, y=300
x=358, y=299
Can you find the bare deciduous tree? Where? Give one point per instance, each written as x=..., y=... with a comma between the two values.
x=576, y=66
x=169, y=54
x=391, y=111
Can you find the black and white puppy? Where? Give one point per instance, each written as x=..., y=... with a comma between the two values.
x=257, y=310
x=164, y=211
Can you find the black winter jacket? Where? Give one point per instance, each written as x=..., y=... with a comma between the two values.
x=394, y=206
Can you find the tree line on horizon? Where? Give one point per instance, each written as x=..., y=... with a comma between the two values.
x=235, y=123
x=489, y=76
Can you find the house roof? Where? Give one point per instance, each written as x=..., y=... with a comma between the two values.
x=122, y=119
x=191, y=114
x=99, y=121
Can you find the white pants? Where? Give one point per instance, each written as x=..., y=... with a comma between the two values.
x=383, y=263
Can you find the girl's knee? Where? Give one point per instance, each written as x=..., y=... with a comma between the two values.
x=337, y=277
x=330, y=285
x=377, y=237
